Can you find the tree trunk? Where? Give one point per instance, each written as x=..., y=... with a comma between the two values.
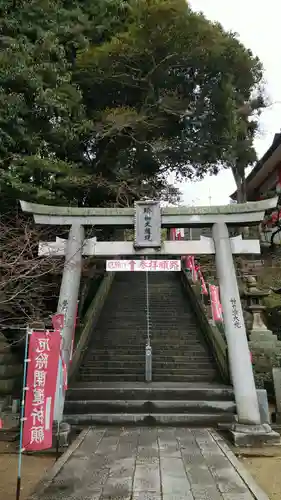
x=240, y=181
x=241, y=186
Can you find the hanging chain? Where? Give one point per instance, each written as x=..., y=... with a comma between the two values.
x=147, y=309
x=148, y=350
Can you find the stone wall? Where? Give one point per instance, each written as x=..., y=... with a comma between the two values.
x=10, y=371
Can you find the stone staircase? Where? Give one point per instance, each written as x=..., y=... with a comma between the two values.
x=139, y=403
x=110, y=385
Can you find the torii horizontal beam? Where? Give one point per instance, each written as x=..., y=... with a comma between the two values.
x=243, y=214
x=204, y=246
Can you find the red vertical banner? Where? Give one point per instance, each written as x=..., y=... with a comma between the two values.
x=204, y=289
x=42, y=371
x=189, y=262
x=179, y=234
x=190, y=265
x=58, y=321
x=176, y=234
x=215, y=303
x=173, y=234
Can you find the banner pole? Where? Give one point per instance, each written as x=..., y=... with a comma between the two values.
x=28, y=332
x=58, y=441
x=60, y=395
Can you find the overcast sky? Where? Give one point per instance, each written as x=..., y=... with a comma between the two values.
x=258, y=26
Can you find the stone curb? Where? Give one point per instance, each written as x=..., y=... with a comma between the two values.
x=255, y=490
x=50, y=475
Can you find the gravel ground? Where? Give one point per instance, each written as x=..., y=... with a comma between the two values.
x=33, y=468
x=266, y=470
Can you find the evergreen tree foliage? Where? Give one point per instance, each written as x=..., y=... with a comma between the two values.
x=100, y=100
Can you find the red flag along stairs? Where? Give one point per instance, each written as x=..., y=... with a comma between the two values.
x=187, y=386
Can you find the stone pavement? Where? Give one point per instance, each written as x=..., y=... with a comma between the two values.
x=149, y=464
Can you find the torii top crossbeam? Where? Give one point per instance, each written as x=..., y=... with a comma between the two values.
x=243, y=214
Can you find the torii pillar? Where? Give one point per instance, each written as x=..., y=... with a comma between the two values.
x=235, y=330
x=70, y=285
x=248, y=430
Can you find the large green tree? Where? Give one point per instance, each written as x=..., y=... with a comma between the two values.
x=101, y=99
x=166, y=93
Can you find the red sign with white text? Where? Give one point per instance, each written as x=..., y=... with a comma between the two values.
x=58, y=321
x=215, y=303
x=42, y=371
x=143, y=265
x=58, y=324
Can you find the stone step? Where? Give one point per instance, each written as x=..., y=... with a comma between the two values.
x=183, y=419
x=176, y=356
x=170, y=310
x=177, y=316
x=7, y=385
x=154, y=288
x=156, y=336
x=144, y=406
x=171, y=313
x=152, y=391
x=185, y=369
x=161, y=328
x=138, y=377
x=7, y=357
x=165, y=340
x=119, y=363
x=165, y=350
x=160, y=373
x=157, y=347
x=168, y=292
x=157, y=363
x=154, y=295
x=9, y=371
x=179, y=351
x=113, y=356
x=175, y=295
x=155, y=303
x=156, y=328
x=176, y=304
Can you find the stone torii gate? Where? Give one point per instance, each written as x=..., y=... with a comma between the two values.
x=147, y=218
